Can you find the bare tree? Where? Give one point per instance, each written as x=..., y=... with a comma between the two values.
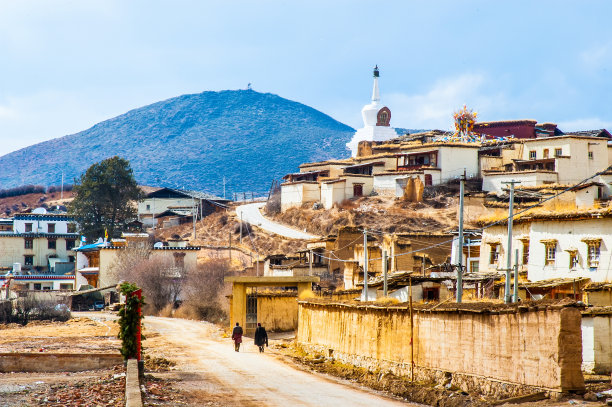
x=160, y=279
x=204, y=289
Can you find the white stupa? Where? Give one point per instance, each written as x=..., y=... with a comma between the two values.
x=376, y=118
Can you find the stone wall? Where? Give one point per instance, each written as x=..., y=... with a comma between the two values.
x=502, y=351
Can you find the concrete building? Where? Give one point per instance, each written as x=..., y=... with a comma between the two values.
x=179, y=203
x=96, y=262
x=553, y=246
x=41, y=241
x=559, y=160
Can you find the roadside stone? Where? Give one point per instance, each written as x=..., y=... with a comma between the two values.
x=589, y=396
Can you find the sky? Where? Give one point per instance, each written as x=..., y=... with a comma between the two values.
x=67, y=65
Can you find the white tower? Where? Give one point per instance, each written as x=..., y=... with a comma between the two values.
x=376, y=118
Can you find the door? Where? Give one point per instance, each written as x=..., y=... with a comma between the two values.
x=251, y=312
x=357, y=190
x=428, y=180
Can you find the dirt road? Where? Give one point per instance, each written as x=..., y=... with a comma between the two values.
x=248, y=377
x=257, y=378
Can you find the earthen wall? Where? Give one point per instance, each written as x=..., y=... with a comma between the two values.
x=539, y=348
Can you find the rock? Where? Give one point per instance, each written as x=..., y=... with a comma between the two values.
x=608, y=402
x=589, y=396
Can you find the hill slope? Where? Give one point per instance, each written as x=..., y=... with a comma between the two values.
x=192, y=141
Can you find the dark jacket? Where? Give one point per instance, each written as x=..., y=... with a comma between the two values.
x=237, y=334
x=261, y=336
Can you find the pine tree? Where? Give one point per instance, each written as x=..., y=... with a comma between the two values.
x=104, y=198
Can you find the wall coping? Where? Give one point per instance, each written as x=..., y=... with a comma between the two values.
x=474, y=307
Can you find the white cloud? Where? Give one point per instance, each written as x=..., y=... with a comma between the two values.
x=434, y=108
x=590, y=123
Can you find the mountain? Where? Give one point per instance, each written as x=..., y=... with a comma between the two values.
x=192, y=142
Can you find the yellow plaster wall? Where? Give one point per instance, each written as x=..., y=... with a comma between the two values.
x=277, y=313
x=536, y=348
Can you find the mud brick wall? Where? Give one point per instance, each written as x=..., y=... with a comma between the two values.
x=538, y=347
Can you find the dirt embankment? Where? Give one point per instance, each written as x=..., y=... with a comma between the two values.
x=9, y=206
x=376, y=213
x=217, y=228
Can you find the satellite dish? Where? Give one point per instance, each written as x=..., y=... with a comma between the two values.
x=39, y=211
x=158, y=245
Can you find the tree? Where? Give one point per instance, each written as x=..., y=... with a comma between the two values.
x=104, y=198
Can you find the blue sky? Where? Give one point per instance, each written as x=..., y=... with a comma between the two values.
x=67, y=65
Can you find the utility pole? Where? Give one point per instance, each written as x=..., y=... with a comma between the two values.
x=194, y=217
x=460, y=251
x=508, y=296
x=240, y=227
x=310, y=265
x=515, y=295
x=230, y=247
x=365, y=265
x=384, y=266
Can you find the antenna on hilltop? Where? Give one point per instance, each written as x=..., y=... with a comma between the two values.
x=249, y=86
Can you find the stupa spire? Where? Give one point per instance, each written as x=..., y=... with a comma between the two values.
x=375, y=91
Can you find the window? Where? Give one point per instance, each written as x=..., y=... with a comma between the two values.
x=590, y=155
x=71, y=227
x=51, y=227
x=573, y=260
x=545, y=153
x=65, y=286
x=148, y=207
x=532, y=155
x=593, y=257
x=474, y=266
x=551, y=252
x=71, y=259
x=525, y=252
x=28, y=227
x=28, y=260
x=494, y=254
x=558, y=152
x=70, y=244
x=28, y=243
x=179, y=259
x=37, y=286
x=52, y=244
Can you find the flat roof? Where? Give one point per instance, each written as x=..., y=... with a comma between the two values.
x=272, y=280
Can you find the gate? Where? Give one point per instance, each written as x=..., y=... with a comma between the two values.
x=251, y=312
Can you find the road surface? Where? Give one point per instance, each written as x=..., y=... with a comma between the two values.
x=251, y=214
x=249, y=378
x=209, y=366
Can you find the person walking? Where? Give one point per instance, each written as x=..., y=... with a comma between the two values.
x=237, y=336
x=261, y=337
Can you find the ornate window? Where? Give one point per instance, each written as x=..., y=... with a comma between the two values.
x=28, y=243
x=52, y=244
x=525, y=251
x=550, y=253
x=558, y=152
x=532, y=155
x=573, y=259
x=594, y=248
x=494, y=253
